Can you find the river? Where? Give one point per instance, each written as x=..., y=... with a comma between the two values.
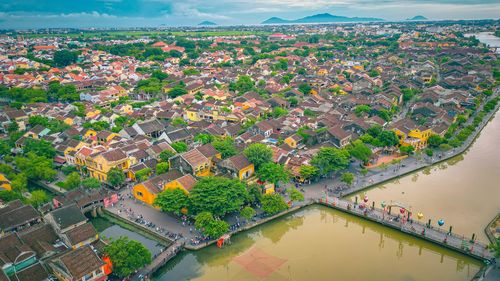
x=323, y=244
x=487, y=38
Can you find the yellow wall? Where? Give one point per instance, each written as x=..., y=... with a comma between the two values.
x=242, y=172
x=291, y=142
x=142, y=193
x=192, y=115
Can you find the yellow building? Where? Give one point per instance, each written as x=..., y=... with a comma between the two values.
x=148, y=191
x=192, y=162
x=293, y=141
x=415, y=137
x=98, y=165
x=238, y=166
x=4, y=183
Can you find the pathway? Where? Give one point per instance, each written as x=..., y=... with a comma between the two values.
x=159, y=261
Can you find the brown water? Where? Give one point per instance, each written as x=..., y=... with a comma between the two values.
x=323, y=244
x=463, y=191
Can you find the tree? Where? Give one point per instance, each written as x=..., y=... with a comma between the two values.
x=217, y=195
x=308, y=172
x=64, y=58
x=495, y=247
x=4, y=148
x=247, y=213
x=406, y=150
x=254, y=193
x=204, y=138
x=180, y=146
x=210, y=227
x=38, y=197
x=347, y=178
x=177, y=91
x=305, y=88
x=13, y=127
x=36, y=167
x=388, y=138
x=360, y=109
x=258, y=154
x=226, y=147
x=360, y=151
x=294, y=194
x=330, y=159
x=244, y=84
x=143, y=174
x=91, y=183
x=162, y=168
x=435, y=141
x=39, y=147
x=19, y=182
x=115, y=177
x=127, y=256
x=172, y=200
x=165, y=155
x=273, y=204
x=274, y=173
x=72, y=181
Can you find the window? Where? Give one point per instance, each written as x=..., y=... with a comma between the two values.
x=139, y=193
x=88, y=276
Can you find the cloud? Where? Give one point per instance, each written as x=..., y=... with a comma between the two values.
x=187, y=10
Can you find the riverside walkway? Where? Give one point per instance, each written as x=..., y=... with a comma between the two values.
x=433, y=234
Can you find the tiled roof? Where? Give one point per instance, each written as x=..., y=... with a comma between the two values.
x=81, y=261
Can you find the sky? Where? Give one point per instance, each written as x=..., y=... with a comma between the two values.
x=22, y=14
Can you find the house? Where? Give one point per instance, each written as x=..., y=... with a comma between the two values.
x=209, y=151
x=293, y=140
x=192, y=162
x=148, y=191
x=4, y=183
x=99, y=164
x=72, y=226
x=339, y=137
x=409, y=133
x=237, y=166
x=16, y=216
x=80, y=264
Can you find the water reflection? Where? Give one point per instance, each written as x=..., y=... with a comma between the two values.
x=323, y=244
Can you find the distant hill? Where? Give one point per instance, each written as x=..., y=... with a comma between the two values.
x=206, y=22
x=417, y=18
x=319, y=18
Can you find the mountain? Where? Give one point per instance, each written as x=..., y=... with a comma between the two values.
x=206, y=22
x=319, y=18
x=275, y=20
x=418, y=18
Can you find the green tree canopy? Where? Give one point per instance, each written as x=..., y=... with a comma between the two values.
x=210, y=226
x=72, y=181
x=127, y=256
x=347, y=178
x=360, y=151
x=258, y=154
x=116, y=177
x=143, y=174
x=39, y=147
x=38, y=197
x=162, y=168
x=172, y=200
x=91, y=183
x=247, y=213
x=36, y=167
x=308, y=172
x=64, y=58
x=165, y=155
x=388, y=138
x=226, y=147
x=295, y=194
x=435, y=141
x=273, y=204
x=274, y=173
x=330, y=159
x=217, y=195
x=179, y=146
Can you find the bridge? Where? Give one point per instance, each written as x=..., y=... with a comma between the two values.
x=412, y=226
x=159, y=261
